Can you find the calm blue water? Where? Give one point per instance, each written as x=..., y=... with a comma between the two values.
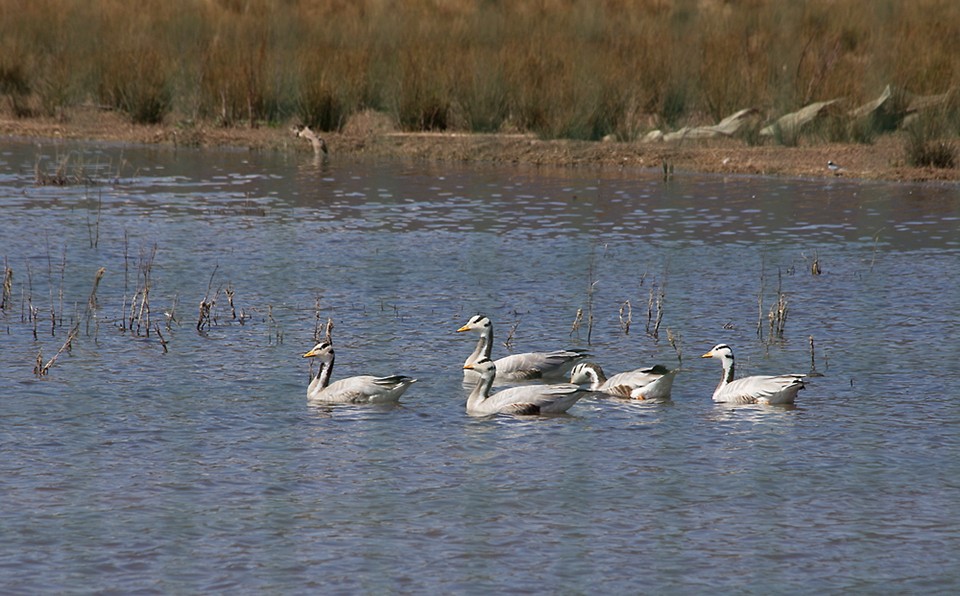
x=201, y=468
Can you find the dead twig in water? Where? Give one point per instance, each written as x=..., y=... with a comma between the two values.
x=171, y=315
x=575, y=328
x=92, y=300
x=655, y=301
x=813, y=361
x=760, y=301
x=32, y=311
x=42, y=370
x=813, y=358
x=126, y=282
x=778, y=312
x=34, y=317
x=876, y=243
x=7, y=286
x=317, y=325
x=625, y=321
x=674, y=339
x=141, y=315
x=591, y=288
x=276, y=333
x=203, y=321
x=163, y=340
x=92, y=303
x=94, y=234
x=233, y=309
x=508, y=342
x=63, y=269
x=815, y=266
x=242, y=317
x=206, y=305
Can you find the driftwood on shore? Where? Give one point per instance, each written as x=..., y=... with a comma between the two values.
x=884, y=103
x=727, y=127
x=891, y=110
x=916, y=104
x=794, y=122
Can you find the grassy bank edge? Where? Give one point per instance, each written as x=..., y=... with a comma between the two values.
x=371, y=135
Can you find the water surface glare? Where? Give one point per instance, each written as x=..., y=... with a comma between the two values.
x=155, y=458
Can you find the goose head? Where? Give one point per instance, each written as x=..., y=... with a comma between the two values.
x=476, y=323
x=485, y=367
x=323, y=351
x=721, y=352
x=724, y=354
x=586, y=372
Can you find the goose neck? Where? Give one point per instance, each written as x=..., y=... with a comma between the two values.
x=484, y=347
x=324, y=374
x=728, y=368
x=481, y=390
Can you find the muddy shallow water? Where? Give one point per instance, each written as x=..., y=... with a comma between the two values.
x=179, y=460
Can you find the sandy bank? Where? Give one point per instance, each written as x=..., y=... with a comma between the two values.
x=370, y=135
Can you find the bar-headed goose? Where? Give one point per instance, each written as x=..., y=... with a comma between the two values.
x=760, y=389
x=521, y=400
x=517, y=367
x=654, y=382
x=363, y=389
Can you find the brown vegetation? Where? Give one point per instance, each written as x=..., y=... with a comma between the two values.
x=207, y=71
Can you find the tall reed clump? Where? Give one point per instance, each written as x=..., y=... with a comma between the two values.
x=138, y=83
x=45, y=60
x=15, y=85
x=927, y=143
x=480, y=99
x=247, y=62
x=329, y=91
x=581, y=70
x=343, y=59
x=138, y=59
x=419, y=97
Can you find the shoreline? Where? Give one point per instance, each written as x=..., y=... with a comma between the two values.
x=371, y=135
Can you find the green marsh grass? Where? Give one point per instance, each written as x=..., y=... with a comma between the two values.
x=582, y=69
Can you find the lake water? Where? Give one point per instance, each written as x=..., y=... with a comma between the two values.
x=156, y=458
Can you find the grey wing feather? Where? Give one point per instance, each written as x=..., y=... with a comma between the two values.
x=761, y=389
x=546, y=398
x=364, y=389
x=534, y=365
x=644, y=383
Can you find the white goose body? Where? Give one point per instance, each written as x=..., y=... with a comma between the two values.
x=759, y=389
x=516, y=367
x=654, y=382
x=363, y=389
x=530, y=400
